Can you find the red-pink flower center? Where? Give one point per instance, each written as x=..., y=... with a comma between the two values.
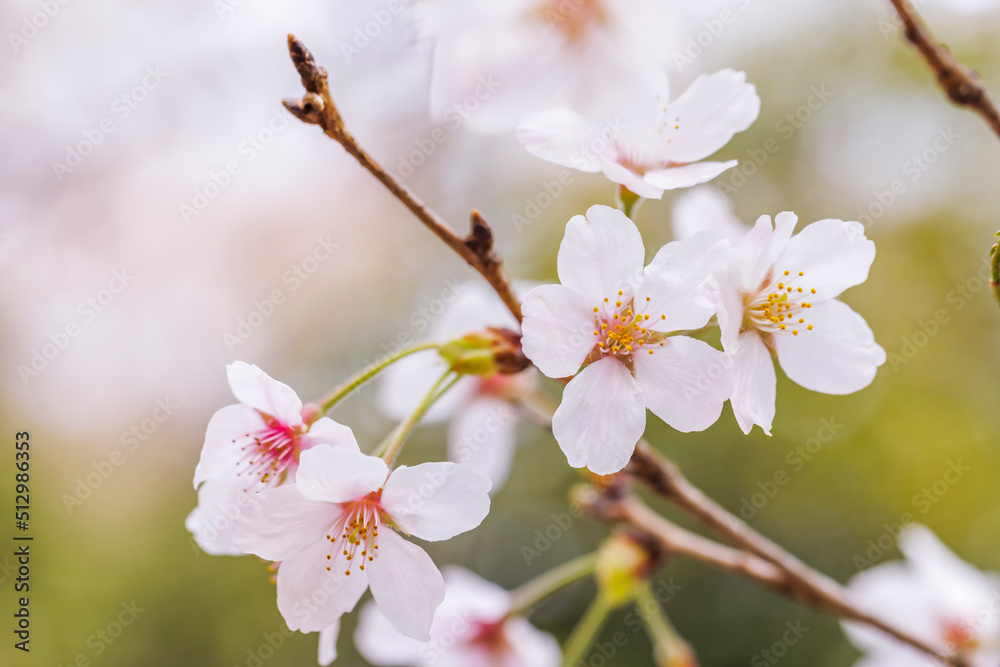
x=354, y=535
x=959, y=636
x=490, y=636
x=267, y=454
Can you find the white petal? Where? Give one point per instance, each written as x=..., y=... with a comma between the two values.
x=469, y=594
x=670, y=281
x=212, y=523
x=221, y=452
x=687, y=175
x=713, y=109
x=839, y=356
x=685, y=382
x=833, y=254
x=328, y=643
x=633, y=181
x=558, y=329
x=600, y=254
x=252, y=386
x=436, y=501
x=563, y=137
x=960, y=589
x=310, y=598
x=530, y=646
x=380, y=644
x=325, y=431
x=471, y=306
x=705, y=208
x=717, y=291
x=339, y=474
x=402, y=386
x=753, y=258
x=406, y=585
x=280, y=522
x=754, y=383
x=483, y=435
x=601, y=417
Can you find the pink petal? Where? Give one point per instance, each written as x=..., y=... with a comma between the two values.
x=705, y=208
x=310, y=598
x=380, y=644
x=754, y=383
x=212, y=523
x=687, y=175
x=839, y=356
x=483, y=435
x=530, y=646
x=685, y=382
x=328, y=643
x=558, y=329
x=436, y=501
x=718, y=292
x=601, y=417
x=223, y=441
x=252, y=386
x=600, y=254
x=339, y=474
x=325, y=431
x=278, y=523
x=633, y=181
x=406, y=585
x=833, y=255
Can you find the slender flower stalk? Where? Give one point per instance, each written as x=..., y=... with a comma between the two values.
x=671, y=649
x=364, y=375
x=541, y=587
x=584, y=634
x=402, y=431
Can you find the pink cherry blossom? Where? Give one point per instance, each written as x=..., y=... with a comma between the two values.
x=614, y=318
x=483, y=424
x=933, y=595
x=659, y=145
x=334, y=533
x=251, y=446
x=472, y=628
x=778, y=295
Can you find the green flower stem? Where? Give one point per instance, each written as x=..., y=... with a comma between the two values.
x=334, y=397
x=670, y=648
x=544, y=585
x=628, y=202
x=402, y=432
x=586, y=631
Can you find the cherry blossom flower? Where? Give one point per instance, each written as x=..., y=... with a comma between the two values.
x=483, y=424
x=471, y=629
x=334, y=534
x=251, y=446
x=496, y=61
x=614, y=318
x=662, y=145
x=705, y=208
x=778, y=295
x=933, y=595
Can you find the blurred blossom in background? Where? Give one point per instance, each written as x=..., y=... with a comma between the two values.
x=162, y=216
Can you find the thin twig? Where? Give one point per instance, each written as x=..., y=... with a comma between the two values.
x=961, y=84
x=317, y=107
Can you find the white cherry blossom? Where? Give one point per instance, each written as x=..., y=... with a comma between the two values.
x=472, y=628
x=334, y=533
x=613, y=318
x=660, y=144
x=251, y=446
x=933, y=595
x=778, y=295
x=705, y=208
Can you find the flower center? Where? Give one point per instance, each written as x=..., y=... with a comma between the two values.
x=621, y=329
x=354, y=536
x=267, y=454
x=959, y=637
x=780, y=307
x=491, y=636
x=573, y=19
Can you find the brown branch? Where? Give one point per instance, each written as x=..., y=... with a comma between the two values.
x=317, y=107
x=961, y=84
x=614, y=505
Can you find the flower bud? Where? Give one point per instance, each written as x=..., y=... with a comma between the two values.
x=486, y=353
x=623, y=565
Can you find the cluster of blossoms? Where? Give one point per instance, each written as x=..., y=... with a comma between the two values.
x=279, y=480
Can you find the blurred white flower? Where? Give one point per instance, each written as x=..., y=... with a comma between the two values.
x=933, y=595
x=614, y=318
x=705, y=208
x=251, y=446
x=341, y=513
x=778, y=294
x=483, y=429
x=471, y=629
x=496, y=61
x=654, y=145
